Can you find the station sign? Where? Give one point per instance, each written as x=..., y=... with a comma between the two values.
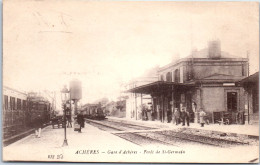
x=228, y=84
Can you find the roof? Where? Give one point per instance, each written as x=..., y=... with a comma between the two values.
x=15, y=90
x=202, y=55
x=90, y=105
x=159, y=86
x=254, y=78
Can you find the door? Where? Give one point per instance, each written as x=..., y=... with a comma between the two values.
x=232, y=101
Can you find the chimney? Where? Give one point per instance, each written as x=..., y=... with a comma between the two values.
x=214, y=49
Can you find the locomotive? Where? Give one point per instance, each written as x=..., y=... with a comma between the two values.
x=94, y=111
x=20, y=111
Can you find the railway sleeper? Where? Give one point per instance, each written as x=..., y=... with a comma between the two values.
x=175, y=140
x=143, y=140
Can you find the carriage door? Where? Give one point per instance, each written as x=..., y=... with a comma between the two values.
x=232, y=101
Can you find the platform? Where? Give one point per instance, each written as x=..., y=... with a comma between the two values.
x=242, y=130
x=95, y=145
x=85, y=146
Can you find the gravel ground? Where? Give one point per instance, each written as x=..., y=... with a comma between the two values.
x=176, y=137
x=142, y=140
x=218, y=135
x=213, y=134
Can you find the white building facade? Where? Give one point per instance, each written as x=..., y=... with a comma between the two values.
x=135, y=100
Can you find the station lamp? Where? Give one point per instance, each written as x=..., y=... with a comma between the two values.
x=64, y=99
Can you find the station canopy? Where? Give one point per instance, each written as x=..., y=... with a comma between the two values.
x=251, y=79
x=160, y=86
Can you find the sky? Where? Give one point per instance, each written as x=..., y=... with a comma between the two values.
x=46, y=43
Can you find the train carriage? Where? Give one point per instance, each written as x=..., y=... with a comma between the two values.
x=20, y=111
x=38, y=105
x=14, y=111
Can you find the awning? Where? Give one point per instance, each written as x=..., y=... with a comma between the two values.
x=160, y=86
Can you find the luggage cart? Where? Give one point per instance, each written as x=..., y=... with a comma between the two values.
x=226, y=118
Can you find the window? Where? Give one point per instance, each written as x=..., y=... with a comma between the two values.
x=6, y=102
x=19, y=104
x=243, y=70
x=177, y=75
x=189, y=73
x=169, y=77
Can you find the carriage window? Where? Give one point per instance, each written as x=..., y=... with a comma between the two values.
x=12, y=103
x=19, y=104
x=24, y=105
x=162, y=78
x=30, y=105
x=34, y=105
x=41, y=107
x=6, y=102
x=169, y=77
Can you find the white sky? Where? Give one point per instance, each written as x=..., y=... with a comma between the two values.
x=112, y=42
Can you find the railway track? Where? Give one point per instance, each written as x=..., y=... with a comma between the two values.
x=127, y=125
x=102, y=126
x=158, y=137
x=117, y=126
x=144, y=140
x=135, y=138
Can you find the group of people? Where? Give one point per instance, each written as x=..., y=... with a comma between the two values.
x=181, y=116
x=144, y=112
x=38, y=125
x=185, y=116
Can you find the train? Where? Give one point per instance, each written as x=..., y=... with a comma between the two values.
x=20, y=111
x=94, y=111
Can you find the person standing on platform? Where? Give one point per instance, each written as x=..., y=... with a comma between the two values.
x=160, y=114
x=69, y=121
x=38, y=126
x=185, y=116
x=81, y=121
x=182, y=113
x=176, y=116
x=142, y=109
x=68, y=117
x=169, y=115
x=202, y=118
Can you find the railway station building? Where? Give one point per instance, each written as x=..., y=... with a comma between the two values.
x=204, y=80
x=136, y=100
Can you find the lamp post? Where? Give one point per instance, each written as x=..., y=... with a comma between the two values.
x=64, y=98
